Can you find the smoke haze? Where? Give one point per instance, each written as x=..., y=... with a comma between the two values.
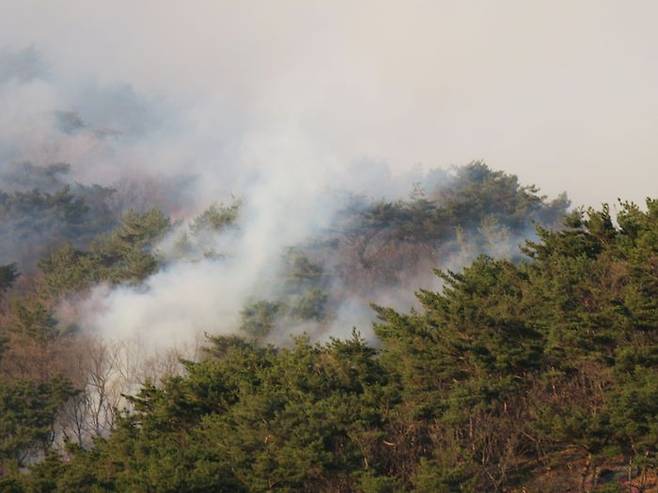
x=284, y=102
x=559, y=93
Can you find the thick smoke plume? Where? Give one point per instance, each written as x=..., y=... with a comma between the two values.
x=288, y=194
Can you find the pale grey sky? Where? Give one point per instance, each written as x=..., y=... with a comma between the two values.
x=562, y=93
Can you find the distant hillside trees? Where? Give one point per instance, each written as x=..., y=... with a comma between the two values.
x=41, y=209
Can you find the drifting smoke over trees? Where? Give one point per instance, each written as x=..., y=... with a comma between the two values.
x=518, y=369
x=39, y=208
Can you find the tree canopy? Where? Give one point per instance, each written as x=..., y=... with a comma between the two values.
x=531, y=371
x=507, y=369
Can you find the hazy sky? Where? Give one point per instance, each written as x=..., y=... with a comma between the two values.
x=563, y=93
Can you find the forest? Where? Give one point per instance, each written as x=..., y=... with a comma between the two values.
x=504, y=342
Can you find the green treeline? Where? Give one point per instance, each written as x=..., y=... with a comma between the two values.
x=504, y=369
x=537, y=373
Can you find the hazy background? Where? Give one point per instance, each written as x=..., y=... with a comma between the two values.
x=562, y=93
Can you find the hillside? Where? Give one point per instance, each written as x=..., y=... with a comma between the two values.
x=519, y=370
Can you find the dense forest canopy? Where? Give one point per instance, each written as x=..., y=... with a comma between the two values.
x=517, y=369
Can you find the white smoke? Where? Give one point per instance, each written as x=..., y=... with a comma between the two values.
x=436, y=82
x=287, y=200
x=282, y=102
